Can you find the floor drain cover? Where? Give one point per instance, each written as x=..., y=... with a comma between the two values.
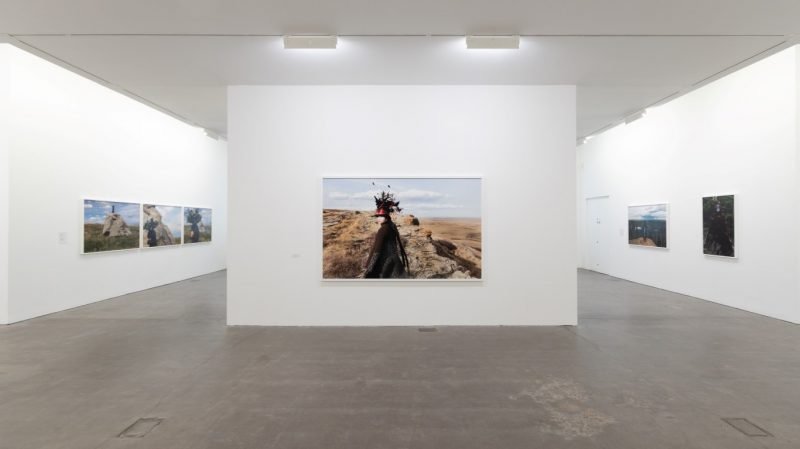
x=140, y=428
x=746, y=427
x=428, y=329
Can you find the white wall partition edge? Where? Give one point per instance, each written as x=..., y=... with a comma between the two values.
x=70, y=138
x=4, y=179
x=737, y=135
x=284, y=139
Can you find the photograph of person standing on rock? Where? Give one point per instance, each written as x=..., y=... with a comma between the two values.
x=162, y=225
x=110, y=226
x=387, y=258
x=435, y=236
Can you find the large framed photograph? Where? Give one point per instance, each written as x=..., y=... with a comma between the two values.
x=402, y=228
x=196, y=225
x=161, y=225
x=110, y=226
x=719, y=237
x=647, y=225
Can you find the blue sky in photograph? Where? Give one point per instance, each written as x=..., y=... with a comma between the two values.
x=648, y=213
x=171, y=217
x=423, y=197
x=96, y=211
x=205, y=213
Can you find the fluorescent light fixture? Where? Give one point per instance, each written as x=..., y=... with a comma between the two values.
x=295, y=42
x=493, y=42
x=634, y=117
x=212, y=134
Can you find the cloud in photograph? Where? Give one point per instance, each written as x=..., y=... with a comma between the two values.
x=171, y=218
x=95, y=211
x=654, y=212
x=425, y=197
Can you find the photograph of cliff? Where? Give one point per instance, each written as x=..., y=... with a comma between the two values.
x=401, y=228
x=718, y=226
x=647, y=225
x=161, y=225
x=110, y=226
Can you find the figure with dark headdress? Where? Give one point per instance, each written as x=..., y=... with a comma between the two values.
x=718, y=240
x=388, y=258
x=194, y=218
x=152, y=238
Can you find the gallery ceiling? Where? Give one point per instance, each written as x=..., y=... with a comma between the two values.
x=624, y=55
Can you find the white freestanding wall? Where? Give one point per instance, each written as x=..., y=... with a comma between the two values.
x=4, y=181
x=71, y=138
x=284, y=139
x=796, y=50
x=737, y=135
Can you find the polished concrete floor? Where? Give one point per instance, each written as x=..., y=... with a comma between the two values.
x=644, y=369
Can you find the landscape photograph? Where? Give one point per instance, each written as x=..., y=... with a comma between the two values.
x=647, y=225
x=402, y=228
x=196, y=225
x=718, y=226
x=161, y=225
x=110, y=226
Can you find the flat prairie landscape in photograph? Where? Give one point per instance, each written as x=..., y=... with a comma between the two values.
x=196, y=225
x=401, y=228
x=718, y=226
x=647, y=225
x=110, y=226
x=162, y=225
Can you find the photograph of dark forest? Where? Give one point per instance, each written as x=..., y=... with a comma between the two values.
x=718, y=226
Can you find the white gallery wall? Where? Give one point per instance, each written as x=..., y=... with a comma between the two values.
x=284, y=139
x=738, y=135
x=796, y=50
x=4, y=179
x=70, y=139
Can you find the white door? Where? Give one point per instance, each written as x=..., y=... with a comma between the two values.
x=597, y=233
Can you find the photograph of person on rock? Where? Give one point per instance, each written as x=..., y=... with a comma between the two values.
x=162, y=225
x=436, y=234
x=110, y=226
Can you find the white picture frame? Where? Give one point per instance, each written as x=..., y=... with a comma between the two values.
x=480, y=222
x=88, y=202
x=735, y=255
x=183, y=233
x=643, y=210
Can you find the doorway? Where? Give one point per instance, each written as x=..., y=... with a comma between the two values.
x=597, y=234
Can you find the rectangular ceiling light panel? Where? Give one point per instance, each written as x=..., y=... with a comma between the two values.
x=493, y=42
x=292, y=42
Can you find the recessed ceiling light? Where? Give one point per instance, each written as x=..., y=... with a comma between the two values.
x=493, y=42
x=211, y=134
x=296, y=42
x=634, y=117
